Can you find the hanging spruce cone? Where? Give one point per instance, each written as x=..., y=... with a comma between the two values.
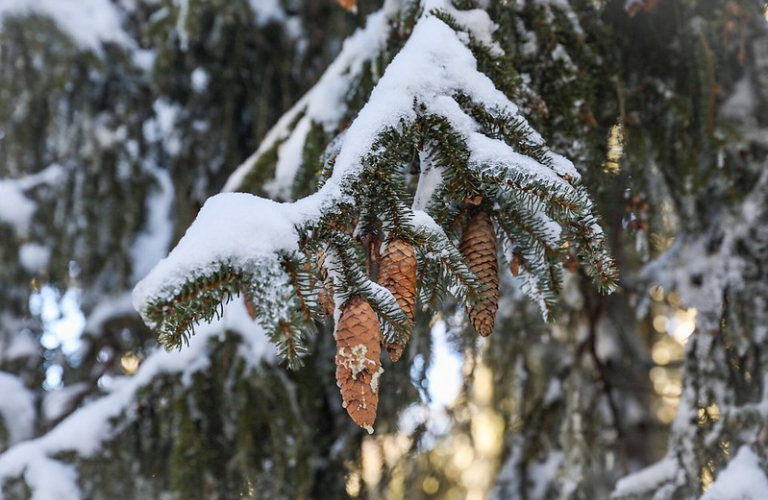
x=478, y=244
x=358, y=363
x=325, y=299
x=397, y=274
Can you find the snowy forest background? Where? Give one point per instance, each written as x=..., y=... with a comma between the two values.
x=120, y=118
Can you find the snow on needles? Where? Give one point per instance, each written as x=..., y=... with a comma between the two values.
x=324, y=104
x=432, y=67
x=86, y=429
x=235, y=228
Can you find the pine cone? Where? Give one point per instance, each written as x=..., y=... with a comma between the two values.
x=358, y=363
x=398, y=275
x=325, y=299
x=478, y=244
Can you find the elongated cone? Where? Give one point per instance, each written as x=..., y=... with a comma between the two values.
x=358, y=362
x=478, y=244
x=325, y=299
x=398, y=275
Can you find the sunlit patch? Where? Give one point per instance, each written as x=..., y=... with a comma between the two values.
x=615, y=149
x=713, y=411
x=372, y=462
x=666, y=413
x=666, y=350
x=129, y=363
x=353, y=484
x=430, y=485
x=682, y=324
x=707, y=476
x=660, y=323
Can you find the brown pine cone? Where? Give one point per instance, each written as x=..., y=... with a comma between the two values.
x=325, y=299
x=478, y=244
x=398, y=275
x=358, y=363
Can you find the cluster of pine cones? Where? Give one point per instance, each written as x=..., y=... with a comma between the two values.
x=358, y=336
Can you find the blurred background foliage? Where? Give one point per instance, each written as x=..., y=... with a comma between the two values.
x=108, y=150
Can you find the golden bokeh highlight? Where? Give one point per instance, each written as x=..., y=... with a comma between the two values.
x=430, y=485
x=353, y=484
x=129, y=363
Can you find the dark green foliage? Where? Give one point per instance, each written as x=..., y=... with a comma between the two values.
x=527, y=202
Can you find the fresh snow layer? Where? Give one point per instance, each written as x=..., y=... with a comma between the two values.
x=235, y=228
x=325, y=103
x=89, y=22
x=87, y=428
x=434, y=65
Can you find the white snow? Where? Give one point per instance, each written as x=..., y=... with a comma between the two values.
x=267, y=11
x=434, y=65
x=20, y=345
x=199, y=79
x=144, y=59
x=325, y=103
x=430, y=179
x=34, y=257
x=741, y=104
x=15, y=208
x=742, y=479
x=718, y=269
x=90, y=23
x=17, y=408
x=107, y=309
x=163, y=126
x=495, y=153
x=647, y=479
x=236, y=228
x=289, y=160
x=152, y=243
x=57, y=402
x=87, y=428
